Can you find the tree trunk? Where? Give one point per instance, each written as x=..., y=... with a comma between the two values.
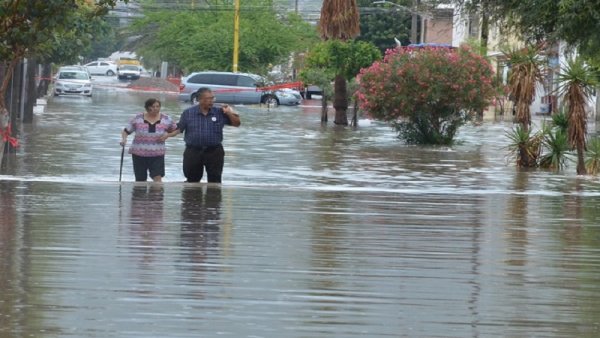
x=354, y=122
x=581, y=160
x=485, y=29
x=324, y=108
x=30, y=91
x=7, y=73
x=42, y=89
x=340, y=101
x=14, y=92
x=525, y=161
x=598, y=103
x=6, y=79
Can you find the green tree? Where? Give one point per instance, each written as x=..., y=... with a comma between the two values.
x=333, y=58
x=105, y=39
x=381, y=25
x=203, y=38
x=525, y=74
x=576, y=84
x=34, y=28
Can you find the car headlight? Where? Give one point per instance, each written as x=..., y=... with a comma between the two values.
x=88, y=85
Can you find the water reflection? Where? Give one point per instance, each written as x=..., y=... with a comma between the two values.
x=200, y=231
x=12, y=296
x=146, y=220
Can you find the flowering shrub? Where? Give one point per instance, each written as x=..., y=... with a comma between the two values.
x=426, y=94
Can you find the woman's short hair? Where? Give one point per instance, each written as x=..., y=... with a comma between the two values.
x=150, y=102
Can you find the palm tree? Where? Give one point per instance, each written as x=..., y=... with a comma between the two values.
x=576, y=85
x=339, y=20
x=525, y=73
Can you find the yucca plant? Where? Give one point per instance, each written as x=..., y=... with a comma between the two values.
x=560, y=121
x=527, y=70
x=557, y=149
x=576, y=84
x=524, y=146
x=592, y=162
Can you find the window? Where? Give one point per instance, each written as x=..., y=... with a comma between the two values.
x=245, y=81
x=224, y=79
x=201, y=78
x=104, y=64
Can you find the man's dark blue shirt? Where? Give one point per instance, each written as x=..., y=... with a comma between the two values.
x=203, y=130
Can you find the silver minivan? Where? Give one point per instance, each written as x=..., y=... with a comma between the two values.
x=235, y=88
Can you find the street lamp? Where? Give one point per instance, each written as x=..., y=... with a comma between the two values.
x=413, y=11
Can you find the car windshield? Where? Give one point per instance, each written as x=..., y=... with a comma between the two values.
x=126, y=67
x=71, y=75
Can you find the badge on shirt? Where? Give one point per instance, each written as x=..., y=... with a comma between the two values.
x=214, y=119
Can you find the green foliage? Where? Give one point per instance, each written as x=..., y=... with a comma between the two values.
x=421, y=129
x=576, y=73
x=547, y=148
x=105, y=40
x=524, y=146
x=556, y=146
x=319, y=77
x=203, y=39
x=592, y=162
x=46, y=30
x=426, y=94
x=560, y=121
x=36, y=28
x=342, y=57
x=380, y=25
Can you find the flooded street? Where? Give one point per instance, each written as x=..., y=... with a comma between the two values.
x=315, y=232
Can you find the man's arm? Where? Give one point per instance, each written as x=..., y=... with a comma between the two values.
x=232, y=115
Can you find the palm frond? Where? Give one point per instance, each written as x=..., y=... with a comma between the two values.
x=527, y=70
x=339, y=19
x=592, y=161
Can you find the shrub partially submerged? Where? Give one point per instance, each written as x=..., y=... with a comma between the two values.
x=426, y=94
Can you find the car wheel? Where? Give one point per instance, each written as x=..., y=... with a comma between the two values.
x=270, y=100
x=308, y=96
x=110, y=73
x=55, y=94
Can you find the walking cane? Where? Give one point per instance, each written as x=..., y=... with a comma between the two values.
x=122, y=155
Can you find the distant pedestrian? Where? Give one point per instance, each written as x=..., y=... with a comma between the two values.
x=148, y=149
x=203, y=127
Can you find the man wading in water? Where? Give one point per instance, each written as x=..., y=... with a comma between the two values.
x=202, y=126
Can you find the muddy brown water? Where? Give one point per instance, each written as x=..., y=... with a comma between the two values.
x=315, y=232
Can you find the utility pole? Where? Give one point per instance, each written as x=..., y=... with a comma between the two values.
x=236, y=35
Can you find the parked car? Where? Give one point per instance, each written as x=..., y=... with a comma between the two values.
x=235, y=88
x=102, y=68
x=74, y=67
x=129, y=72
x=311, y=90
x=73, y=82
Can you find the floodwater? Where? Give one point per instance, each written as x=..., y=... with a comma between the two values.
x=315, y=232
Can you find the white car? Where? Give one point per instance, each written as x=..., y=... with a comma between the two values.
x=102, y=68
x=73, y=82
